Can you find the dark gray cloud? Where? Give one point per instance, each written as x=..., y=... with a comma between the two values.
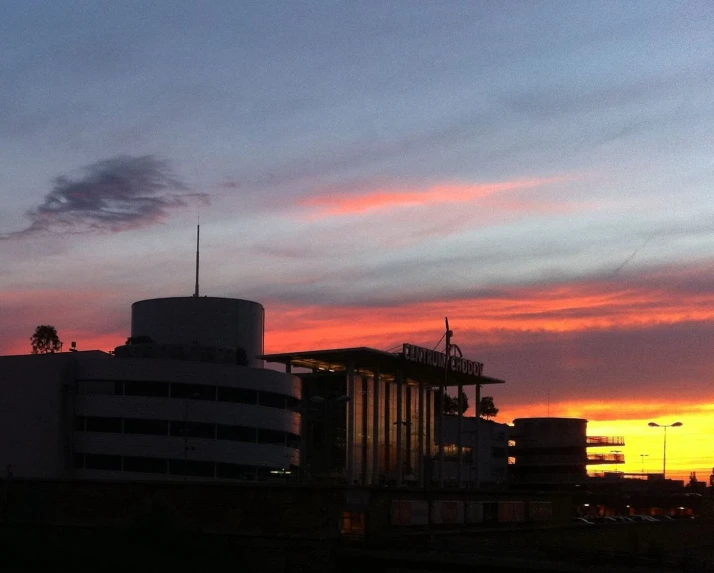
x=659, y=362
x=113, y=195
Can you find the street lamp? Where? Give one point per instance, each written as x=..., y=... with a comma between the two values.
x=643, y=456
x=664, y=456
x=615, y=459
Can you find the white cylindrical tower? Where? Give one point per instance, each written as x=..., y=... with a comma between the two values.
x=203, y=321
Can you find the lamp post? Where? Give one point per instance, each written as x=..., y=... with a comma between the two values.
x=615, y=453
x=664, y=456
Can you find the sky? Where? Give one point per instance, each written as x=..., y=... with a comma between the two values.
x=539, y=172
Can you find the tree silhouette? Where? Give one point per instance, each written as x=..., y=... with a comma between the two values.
x=452, y=405
x=45, y=340
x=487, y=408
x=138, y=340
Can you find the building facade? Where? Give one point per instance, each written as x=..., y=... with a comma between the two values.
x=371, y=417
x=164, y=406
x=484, y=452
x=554, y=451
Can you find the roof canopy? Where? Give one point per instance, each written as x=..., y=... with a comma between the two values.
x=370, y=361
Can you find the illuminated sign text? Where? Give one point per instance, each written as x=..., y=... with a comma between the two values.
x=438, y=359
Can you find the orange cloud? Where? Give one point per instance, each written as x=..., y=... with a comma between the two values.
x=342, y=203
x=575, y=307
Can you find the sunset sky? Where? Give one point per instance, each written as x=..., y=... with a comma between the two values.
x=539, y=172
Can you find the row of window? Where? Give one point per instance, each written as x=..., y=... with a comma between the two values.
x=172, y=467
x=207, y=392
x=451, y=451
x=186, y=429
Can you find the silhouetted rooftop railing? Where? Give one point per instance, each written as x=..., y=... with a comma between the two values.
x=605, y=441
x=606, y=458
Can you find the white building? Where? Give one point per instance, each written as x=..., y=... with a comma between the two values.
x=187, y=399
x=484, y=452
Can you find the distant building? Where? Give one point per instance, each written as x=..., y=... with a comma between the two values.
x=187, y=399
x=554, y=451
x=484, y=452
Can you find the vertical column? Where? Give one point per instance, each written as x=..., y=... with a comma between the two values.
x=387, y=430
x=459, y=436
x=420, y=434
x=375, y=427
x=440, y=414
x=304, y=438
x=350, y=422
x=408, y=425
x=429, y=426
x=476, y=448
x=398, y=425
x=364, y=473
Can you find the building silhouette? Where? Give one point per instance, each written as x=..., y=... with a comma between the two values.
x=554, y=451
x=187, y=398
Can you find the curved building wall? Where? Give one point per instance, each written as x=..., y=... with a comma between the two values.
x=549, y=451
x=148, y=418
x=550, y=432
x=203, y=321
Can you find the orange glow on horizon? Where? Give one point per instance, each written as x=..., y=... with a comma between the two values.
x=688, y=447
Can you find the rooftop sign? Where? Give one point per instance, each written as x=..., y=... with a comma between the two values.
x=438, y=359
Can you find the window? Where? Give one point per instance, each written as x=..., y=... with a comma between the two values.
x=149, y=389
x=237, y=395
x=191, y=468
x=98, y=387
x=271, y=400
x=237, y=433
x=293, y=441
x=79, y=423
x=353, y=524
x=145, y=465
x=152, y=427
x=94, y=424
x=102, y=462
x=193, y=430
x=271, y=437
x=193, y=391
x=499, y=453
x=235, y=471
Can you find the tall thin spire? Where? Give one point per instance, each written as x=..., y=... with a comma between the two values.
x=198, y=238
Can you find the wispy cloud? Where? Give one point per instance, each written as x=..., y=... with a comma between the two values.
x=329, y=203
x=113, y=195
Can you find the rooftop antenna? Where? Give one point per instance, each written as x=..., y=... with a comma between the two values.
x=198, y=238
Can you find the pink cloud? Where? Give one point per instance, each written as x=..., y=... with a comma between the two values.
x=340, y=203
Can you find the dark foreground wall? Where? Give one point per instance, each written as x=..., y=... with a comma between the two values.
x=191, y=526
x=276, y=510
x=179, y=526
